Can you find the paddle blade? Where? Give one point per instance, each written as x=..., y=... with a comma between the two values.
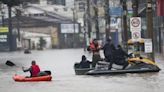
x=9, y=63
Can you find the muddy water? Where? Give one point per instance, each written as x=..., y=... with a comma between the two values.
x=60, y=62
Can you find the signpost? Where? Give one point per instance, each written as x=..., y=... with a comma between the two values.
x=135, y=24
x=115, y=11
x=4, y=30
x=136, y=35
x=148, y=46
x=135, y=28
x=4, y=43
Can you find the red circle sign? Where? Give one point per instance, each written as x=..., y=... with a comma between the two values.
x=136, y=35
x=135, y=22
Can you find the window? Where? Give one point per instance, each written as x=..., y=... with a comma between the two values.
x=81, y=6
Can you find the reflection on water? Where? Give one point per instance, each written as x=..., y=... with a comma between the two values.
x=60, y=62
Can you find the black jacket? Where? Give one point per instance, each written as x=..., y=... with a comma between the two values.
x=85, y=64
x=120, y=54
x=108, y=49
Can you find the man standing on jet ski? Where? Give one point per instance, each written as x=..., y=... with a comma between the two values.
x=95, y=48
x=109, y=50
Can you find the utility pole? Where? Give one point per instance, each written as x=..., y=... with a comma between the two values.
x=107, y=18
x=88, y=19
x=135, y=8
x=3, y=18
x=96, y=20
x=11, y=45
x=74, y=25
x=149, y=16
x=18, y=13
x=135, y=14
x=125, y=31
x=84, y=27
x=10, y=4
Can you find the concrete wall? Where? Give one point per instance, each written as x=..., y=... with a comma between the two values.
x=50, y=34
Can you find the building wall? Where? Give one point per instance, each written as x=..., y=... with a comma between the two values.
x=159, y=25
x=45, y=30
x=69, y=38
x=60, y=2
x=52, y=39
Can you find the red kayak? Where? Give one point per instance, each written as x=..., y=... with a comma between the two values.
x=20, y=78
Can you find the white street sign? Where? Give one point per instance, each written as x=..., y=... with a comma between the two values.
x=135, y=24
x=136, y=36
x=148, y=46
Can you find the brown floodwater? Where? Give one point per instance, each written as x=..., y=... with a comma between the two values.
x=60, y=62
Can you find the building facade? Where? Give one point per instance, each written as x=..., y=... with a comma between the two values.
x=59, y=2
x=158, y=23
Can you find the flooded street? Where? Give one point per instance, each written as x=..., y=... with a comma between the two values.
x=60, y=62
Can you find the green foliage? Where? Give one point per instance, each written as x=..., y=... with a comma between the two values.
x=42, y=42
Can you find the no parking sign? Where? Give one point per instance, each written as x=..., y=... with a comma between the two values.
x=135, y=24
x=136, y=35
x=135, y=28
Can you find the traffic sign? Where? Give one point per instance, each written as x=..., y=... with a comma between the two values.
x=4, y=29
x=148, y=46
x=135, y=24
x=136, y=36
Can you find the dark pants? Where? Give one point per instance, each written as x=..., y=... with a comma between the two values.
x=111, y=60
x=122, y=62
x=42, y=73
x=95, y=59
x=118, y=61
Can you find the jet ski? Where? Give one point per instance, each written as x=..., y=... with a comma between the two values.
x=136, y=65
x=79, y=70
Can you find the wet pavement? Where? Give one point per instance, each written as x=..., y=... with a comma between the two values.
x=60, y=62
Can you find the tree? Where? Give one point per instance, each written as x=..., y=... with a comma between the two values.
x=42, y=43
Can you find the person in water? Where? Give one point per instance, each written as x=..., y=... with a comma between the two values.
x=34, y=69
x=84, y=62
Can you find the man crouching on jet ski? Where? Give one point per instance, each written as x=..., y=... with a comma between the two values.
x=119, y=58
